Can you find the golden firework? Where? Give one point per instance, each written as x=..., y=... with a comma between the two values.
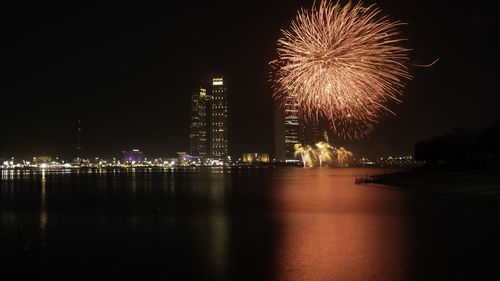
x=342, y=63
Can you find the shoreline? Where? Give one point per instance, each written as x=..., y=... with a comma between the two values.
x=478, y=186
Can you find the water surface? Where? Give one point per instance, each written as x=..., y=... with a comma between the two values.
x=235, y=224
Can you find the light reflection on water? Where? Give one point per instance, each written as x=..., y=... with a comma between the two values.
x=339, y=231
x=216, y=224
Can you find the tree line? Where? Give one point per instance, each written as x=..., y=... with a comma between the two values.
x=461, y=145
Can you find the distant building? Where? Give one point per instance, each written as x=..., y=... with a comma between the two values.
x=255, y=157
x=311, y=132
x=185, y=159
x=79, y=147
x=208, y=129
x=293, y=128
x=182, y=158
x=133, y=156
x=279, y=133
x=399, y=162
x=218, y=119
x=198, y=128
x=42, y=159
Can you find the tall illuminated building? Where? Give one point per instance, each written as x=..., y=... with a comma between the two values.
x=311, y=132
x=279, y=132
x=218, y=119
x=198, y=129
x=293, y=128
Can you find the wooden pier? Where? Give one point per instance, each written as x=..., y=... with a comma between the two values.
x=367, y=179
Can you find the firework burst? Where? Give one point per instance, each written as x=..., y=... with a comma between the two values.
x=342, y=63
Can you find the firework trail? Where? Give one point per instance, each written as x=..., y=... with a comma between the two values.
x=342, y=63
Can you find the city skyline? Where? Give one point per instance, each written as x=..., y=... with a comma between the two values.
x=130, y=82
x=262, y=140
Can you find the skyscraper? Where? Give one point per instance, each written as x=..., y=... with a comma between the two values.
x=198, y=129
x=311, y=132
x=218, y=119
x=279, y=132
x=79, y=147
x=293, y=129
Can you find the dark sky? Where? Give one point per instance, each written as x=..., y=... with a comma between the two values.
x=127, y=71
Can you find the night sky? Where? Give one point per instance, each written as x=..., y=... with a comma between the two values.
x=127, y=71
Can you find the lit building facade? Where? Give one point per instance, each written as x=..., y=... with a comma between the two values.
x=134, y=156
x=218, y=119
x=293, y=127
x=311, y=132
x=198, y=129
x=255, y=157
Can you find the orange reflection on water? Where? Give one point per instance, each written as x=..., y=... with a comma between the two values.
x=335, y=230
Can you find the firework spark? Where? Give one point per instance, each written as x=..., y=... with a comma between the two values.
x=342, y=63
x=306, y=153
x=324, y=151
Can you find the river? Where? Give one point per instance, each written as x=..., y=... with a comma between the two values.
x=236, y=224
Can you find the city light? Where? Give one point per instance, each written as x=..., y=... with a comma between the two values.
x=217, y=82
